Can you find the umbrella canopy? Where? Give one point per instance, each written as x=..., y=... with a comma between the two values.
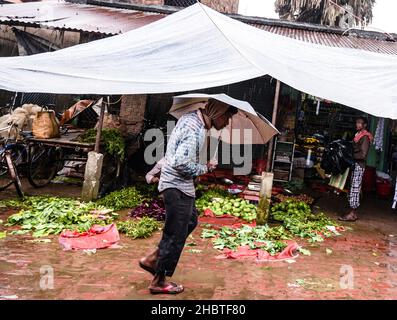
x=245, y=127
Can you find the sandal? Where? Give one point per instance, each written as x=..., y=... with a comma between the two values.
x=147, y=268
x=171, y=288
x=348, y=218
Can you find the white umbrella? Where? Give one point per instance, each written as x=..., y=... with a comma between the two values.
x=245, y=127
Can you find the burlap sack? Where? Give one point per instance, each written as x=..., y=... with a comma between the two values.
x=45, y=125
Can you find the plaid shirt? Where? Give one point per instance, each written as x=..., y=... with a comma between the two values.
x=182, y=156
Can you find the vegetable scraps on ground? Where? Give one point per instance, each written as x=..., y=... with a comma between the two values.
x=139, y=228
x=43, y=216
x=112, y=139
x=297, y=221
x=259, y=237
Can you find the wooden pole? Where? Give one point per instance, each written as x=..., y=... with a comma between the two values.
x=274, y=120
x=100, y=126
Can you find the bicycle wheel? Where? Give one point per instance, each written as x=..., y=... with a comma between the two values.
x=43, y=165
x=5, y=177
x=14, y=175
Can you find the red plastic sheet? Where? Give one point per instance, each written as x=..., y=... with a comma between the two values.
x=223, y=220
x=98, y=237
x=244, y=252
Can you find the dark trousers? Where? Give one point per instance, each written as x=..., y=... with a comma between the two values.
x=180, y=221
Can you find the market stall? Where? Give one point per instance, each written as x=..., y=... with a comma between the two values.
x=208, y=49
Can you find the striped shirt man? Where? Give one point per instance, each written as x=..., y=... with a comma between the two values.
x=182, y=157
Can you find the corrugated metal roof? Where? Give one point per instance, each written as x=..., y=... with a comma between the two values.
x=334, y=40
x=75, y=17
x=111, y=20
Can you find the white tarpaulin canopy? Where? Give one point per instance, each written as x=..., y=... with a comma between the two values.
x=199, y=48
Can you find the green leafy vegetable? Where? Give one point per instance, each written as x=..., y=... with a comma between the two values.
x=112, y=139
x=139, y=228
x=260, y=237
x=298, y=219
x=194, y=250
x=304, y=251
x=208, y=233
x=43, y=216
x=127, y=198
x=220, y=202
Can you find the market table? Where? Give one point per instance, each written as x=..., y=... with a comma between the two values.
x=66, y=140
x=53, y=154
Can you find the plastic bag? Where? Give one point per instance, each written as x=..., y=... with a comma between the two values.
x=45, y=125
x=337, y=157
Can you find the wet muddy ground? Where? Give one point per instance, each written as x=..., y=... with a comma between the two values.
x=360, y=264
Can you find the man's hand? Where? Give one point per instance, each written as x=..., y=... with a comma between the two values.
x=212, y=164
x=155, y=180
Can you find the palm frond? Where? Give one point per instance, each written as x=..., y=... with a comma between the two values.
x=324, y=11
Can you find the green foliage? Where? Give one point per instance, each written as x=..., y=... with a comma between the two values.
x=147, y=190
x=112, y=139
x=139, y=228
x=260, y=237
x=127, y=198
x=298, y=219
x=43, y=216
x=213, y=192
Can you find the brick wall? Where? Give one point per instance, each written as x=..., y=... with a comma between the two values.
x=132, y=112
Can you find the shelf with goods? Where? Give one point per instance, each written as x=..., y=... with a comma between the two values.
x=283, y=158
x=332, y=120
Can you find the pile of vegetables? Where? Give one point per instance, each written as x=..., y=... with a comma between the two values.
x=208, y=195
x=220, y=202
x=294, y=185
x=154, y=209
x=112, y=139
x=139, y=228
x=126, y=198
x=259, y=237
x=302, y=197
x=43, y=216
x=147, y=190
x=299, y=220
x=234, y=206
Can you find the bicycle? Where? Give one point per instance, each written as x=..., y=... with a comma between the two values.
x=39, y=163
x=43, y=164
x=9, y=155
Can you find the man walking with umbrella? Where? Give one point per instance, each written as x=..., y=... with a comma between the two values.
x=180, y=168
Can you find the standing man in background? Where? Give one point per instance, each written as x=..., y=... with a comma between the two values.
x=361, y=143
